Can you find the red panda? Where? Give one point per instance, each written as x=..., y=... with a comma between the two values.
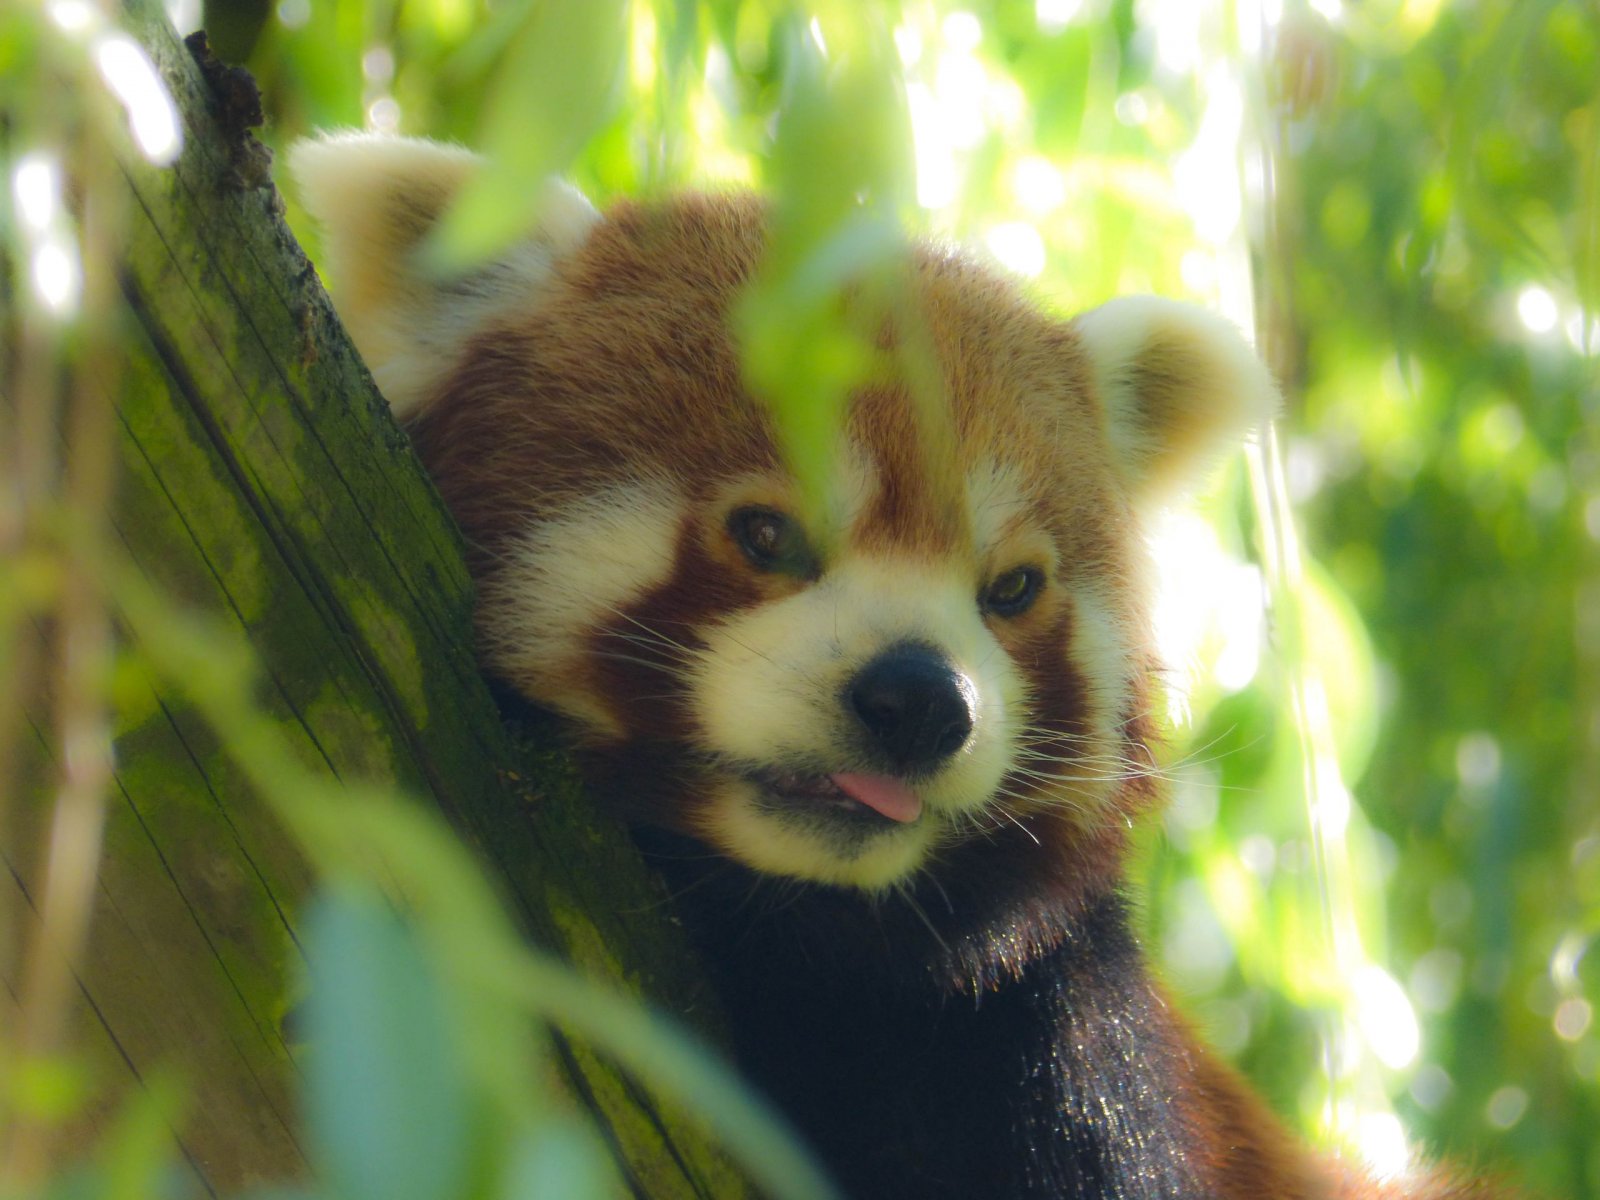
x=890, y=773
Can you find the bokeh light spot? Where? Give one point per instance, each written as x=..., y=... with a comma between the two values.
x=1572, y=1019
x=1507, y=1106
x=1536, y=308
x=1386, y=1018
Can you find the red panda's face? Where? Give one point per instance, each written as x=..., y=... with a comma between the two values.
x=831, y=712
x=963, y=647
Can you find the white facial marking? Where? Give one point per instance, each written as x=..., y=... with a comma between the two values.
x=996, y=502
x=570, y=574
x=767, y=689
x=1100, y=650
x=856, y=481
x=734, y=824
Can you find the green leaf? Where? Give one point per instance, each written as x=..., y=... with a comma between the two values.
x=46, y=1089
x=137, y=1159
x=384, y=1095
x=841, y=175
x=561, y=1158
x=1585, y=124
x=557, y=84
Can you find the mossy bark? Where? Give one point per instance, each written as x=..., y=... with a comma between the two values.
x=264, y=481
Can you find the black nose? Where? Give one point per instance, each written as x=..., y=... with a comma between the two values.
x=914, y=704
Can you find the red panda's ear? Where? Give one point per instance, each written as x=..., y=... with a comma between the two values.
x=1178, y=385
x=376, y=199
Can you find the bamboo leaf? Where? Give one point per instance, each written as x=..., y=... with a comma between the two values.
x=558, y=83
x=384, y=1089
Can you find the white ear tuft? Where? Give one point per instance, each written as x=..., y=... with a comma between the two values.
x=1178, y=384
x=377, y=198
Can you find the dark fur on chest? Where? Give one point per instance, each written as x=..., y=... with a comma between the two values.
x=938, y=1044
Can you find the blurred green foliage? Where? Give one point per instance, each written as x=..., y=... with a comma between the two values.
x=1447, y=457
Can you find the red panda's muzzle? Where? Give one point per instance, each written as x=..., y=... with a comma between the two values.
x=865, y=803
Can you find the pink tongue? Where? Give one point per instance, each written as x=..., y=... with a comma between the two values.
x=881, y=793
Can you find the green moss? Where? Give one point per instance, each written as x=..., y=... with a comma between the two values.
x=391, y=638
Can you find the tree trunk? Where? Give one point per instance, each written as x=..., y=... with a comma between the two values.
x=263, y=481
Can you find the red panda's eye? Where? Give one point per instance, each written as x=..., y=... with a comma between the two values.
x=771, y=541
x=1013, y=593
